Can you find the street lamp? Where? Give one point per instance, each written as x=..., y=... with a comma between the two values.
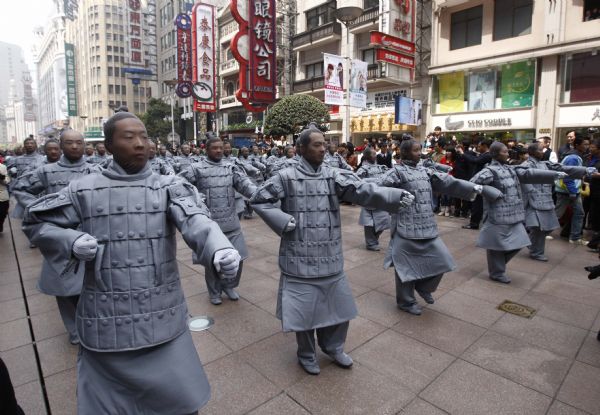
x=171, y=84
x=347, y=15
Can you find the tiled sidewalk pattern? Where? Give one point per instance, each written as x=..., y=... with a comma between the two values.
x=462, y=356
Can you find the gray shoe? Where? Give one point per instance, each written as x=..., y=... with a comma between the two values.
x=373, y=248
x=310, y=367
x=232, y=294
x=216, y=300
x=542, y=258
x=414, y=309
x=74, y=340
x=503, y=279
x=342, y=360
x=427, y=297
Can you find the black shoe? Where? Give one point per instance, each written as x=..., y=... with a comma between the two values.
x=427, y=297
x=470, y=226
x=373, y=248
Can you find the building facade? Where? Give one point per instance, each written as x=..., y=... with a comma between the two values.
x=515, y=68
x=115, y=56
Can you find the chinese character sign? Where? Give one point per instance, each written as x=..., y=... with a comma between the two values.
x=71, y=82
x=183, y=22
x=398, y=18
x=333, y=68
x=358, y=84
x=134, y=34
x=262, y=50
x=203, y=57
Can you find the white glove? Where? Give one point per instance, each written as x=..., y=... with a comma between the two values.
x=85, y=247
x=227, y=262
x=477, y=189
x=561, y=175
x=407, y=199
x=291, y=225
x=591, y=170
x=13, y=171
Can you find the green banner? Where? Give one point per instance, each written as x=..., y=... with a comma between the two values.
x=517, y=86
x=71, y=82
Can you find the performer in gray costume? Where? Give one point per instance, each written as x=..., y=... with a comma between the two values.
x=218, y=180
x=374, y=221
x=100, y=158
x=290, y=159
x=251, y=164
x=137, y=354
x=540, y=218
x=158, y=165
x=503, y=233
x=182, y=162
x=47, y=179
x=334, y=159
x=417, y=253
x=313, y=291
x=250, y=171
x=17, y=166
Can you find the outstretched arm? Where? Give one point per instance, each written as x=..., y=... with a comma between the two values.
x=265, y=202
x=28, y=187
x=242, y=183
x=535, y=176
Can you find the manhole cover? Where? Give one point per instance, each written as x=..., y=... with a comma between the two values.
x=200, y=323
x=517, y=309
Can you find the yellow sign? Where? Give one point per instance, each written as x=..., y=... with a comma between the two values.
x=451, y=88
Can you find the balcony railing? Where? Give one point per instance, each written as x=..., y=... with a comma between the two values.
x=229, y=28
x=309, y=84
x=228, y=100
x=230, y=64
x=375, y=71
x=321, y=32
x=368, y=16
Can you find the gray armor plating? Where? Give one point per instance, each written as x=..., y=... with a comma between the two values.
x=160, y=166
x=24, y=163
x=102, y=161
x=509, y=209
x=314, y=248
x=254, y=169
x=131, y=296
x=218, y=181
x=539, y=196
x=336, y=161
x=378, y=219
x=181, y=163
x=284, y=163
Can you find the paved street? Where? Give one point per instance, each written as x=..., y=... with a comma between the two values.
x=462, y=356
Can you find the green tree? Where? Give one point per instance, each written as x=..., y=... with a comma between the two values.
x=292, y=113
x=157, y=119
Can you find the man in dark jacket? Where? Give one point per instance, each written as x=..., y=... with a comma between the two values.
x=476, y=163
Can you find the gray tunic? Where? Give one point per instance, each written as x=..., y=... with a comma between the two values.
x=160, y=166
x=504, y=218
x=415, y=251
x=313, y=290
x=132, y=315
x=378, y=219
x=102, y=161
x=47, y=179
x=22, y=164
x=336, y=161
x=537, y=198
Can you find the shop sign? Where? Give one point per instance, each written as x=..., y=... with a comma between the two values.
x=71, y=82
x=385, y=41
x=384, y=99
x=503, y=120
x=579, y=115
x=517, y=85
x=184, y=55
x=203, y=57
x=395, y=58
x=544, y=130
x=398, y=18
x=263, y=51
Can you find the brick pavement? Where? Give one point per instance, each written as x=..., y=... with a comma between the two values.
x=462, y=356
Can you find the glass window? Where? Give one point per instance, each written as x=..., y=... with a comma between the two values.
x=512, y=18
x=320, y=15
x=582, y=78
x=591, y=10
x=110, y=71
x=314, y=70
x=370, y=4
x=368, y=55
x=230, y=88
x=465, y=28
x=124, y=91
x=111, y=89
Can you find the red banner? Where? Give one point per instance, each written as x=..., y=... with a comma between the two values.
x=383, y=40
x=204, y=57
x=395, y=58
x=263, y=51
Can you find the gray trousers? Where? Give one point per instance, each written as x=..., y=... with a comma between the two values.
x=215, y=284
x=405, y=291
x=497, y=261
x=331, y=340
x=372, y=237
x=67, y=306
x=538, y=241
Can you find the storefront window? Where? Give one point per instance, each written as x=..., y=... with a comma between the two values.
x=581, y=77
x=506, y=86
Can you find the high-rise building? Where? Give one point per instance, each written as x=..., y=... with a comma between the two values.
x=20, y=113
x=515, y=69
x=12, y=66
x=113, y=46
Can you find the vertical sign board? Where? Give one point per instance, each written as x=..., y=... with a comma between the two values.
x=71, y=81
x=204, y=57
x=134, y=34
x=70, y=9
x=333, y=68
x=262, y=50
x=183, y=23
x=358, y=83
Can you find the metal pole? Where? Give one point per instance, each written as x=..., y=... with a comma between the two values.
x=347, y=84
x=195, y=126
x=172, y=123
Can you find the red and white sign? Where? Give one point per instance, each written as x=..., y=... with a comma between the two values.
x=262, y=51
x=395, y=58
x=333, y=68
x=398, y=18
x=134, y=31
x=203, y=57
x=390, y=42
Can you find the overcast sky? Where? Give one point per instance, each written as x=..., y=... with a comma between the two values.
x=18, y=18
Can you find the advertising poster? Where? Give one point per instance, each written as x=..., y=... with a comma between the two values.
x=482, y=91
x=333, y=68
x=517, y=84
x=358, y=84
x=452, y=92
x=263, y=51
x=408, y=111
